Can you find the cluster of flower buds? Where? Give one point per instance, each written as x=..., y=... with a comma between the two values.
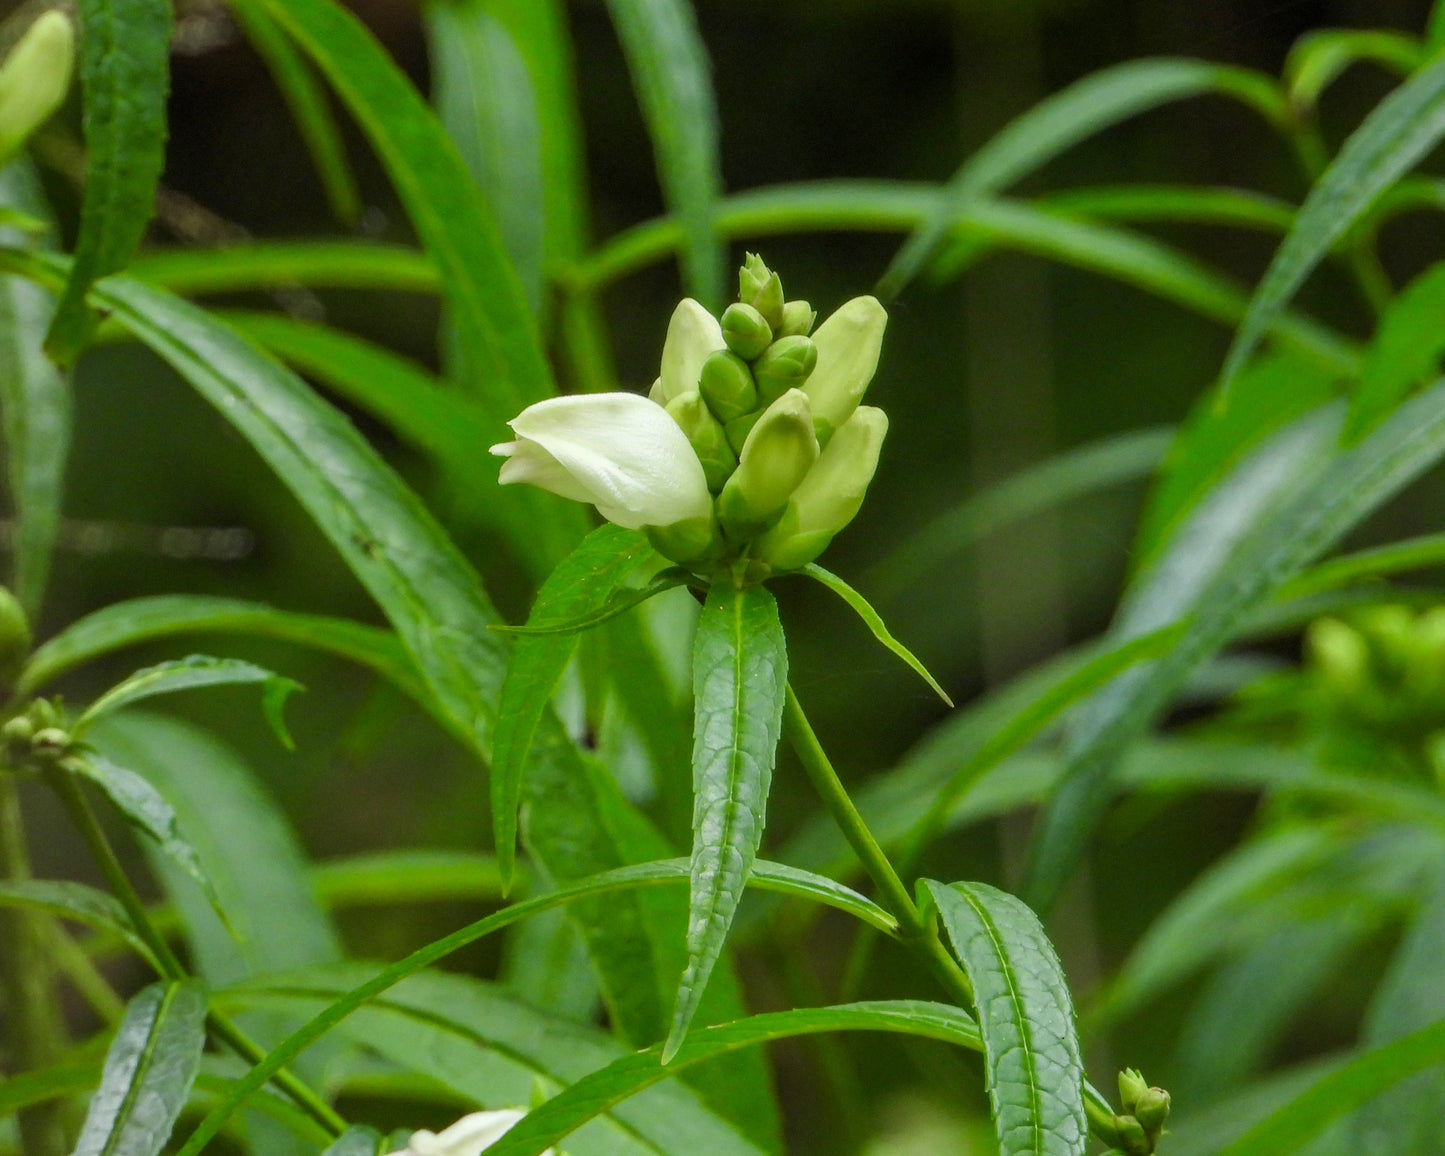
x=1141, y=1123
x=751, y=448
x=34, y=79
x=35, y=739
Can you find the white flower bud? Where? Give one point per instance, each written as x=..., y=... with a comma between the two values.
x=848, y=346
x=470, y=1136
x=777, y=455
x=692, y=334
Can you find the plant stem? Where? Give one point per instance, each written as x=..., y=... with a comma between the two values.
x=25, y=972
x=917, y=932
x=222, y=1026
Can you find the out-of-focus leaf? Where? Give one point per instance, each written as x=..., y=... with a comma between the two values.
x=1406, y=351
x=358, y=1140
x=629, y=1075
x=35, y=405
x=148, y=1073
x=280, y=264
x=1032, y=1063
x=309, y=107
x=404, y=877
x=97, y=909
x=125, y=77
x=1401, y=130
x=482, y=90
x=1078, y=112
x=673, y=81
x=740, y=678
x=1317, y=58
x=1410, y=554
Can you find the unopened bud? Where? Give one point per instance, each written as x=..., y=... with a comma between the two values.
x=50, y=743
x=34, y=79
x=691, y=541
x=1132, y=1085
x=745, y=330
x=830, y=496
x=848, y=346
x=1152, y=1110
x=1342, y=655
x=776, y=457
x=692, y=334
x=784, y=365
x=17, y=735
x=14, y=635
x=707, y=438
x=727, y=386
x=738, y=429
x=761, y=288
x=798, y=318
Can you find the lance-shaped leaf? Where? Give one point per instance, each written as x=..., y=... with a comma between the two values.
x=740, y=678
x=582, y=583
x=1032, y=1064
x=358, y=1140
x=186, y=674
x=1406, y=351
x=148, y=1073
x=1402, y=129
x=124, y=73
x=97, y=909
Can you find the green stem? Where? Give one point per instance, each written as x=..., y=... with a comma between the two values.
x=222, y=1026
x=918, y=933
x=25, y=972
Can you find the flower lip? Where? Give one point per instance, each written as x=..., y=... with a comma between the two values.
x=619, y=451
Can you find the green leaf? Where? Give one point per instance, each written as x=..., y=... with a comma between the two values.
x=740, y=678
x=769, y=875
x=145, y=619
x=874, y=622
x=405, y=877
x=197, y=670
x=501, y=356
x=1318, y=58
x=358, y=1140
x=619, y=602
x=673, y=80
x=1401, y=130
x=491, y=1048
x=149, y=812
x=35, y=405
x=625, y=1077
x=482, y=90
x=309, y=106
x=1435, y=30
x=1032, y=1065
x=583, y=582
x=97, y=909
x=1078, y=112
x=1406, y=351
x=281, y=264
x=124, y=74
x=148, y=1073
x=70, y=1078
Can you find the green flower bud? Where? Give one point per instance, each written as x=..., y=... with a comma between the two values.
x=761, y=288
x=848, y=346
x=50, y=743
x=784, y=365
x=43, y=713
x=689, y=542
x=14, y=635
x=727, y=386
x=738, y=429
x=745, y=330
x=778, y=454
x=34, y=79
x=798, y=318
x=1342, y=655
x=1132, y=1139
x=830, y=496
x=1132, y=1085
x=16, y=737
x=707, y=438
x=1152, y=1110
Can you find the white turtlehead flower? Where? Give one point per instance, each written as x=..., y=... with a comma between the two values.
x=618, y=451
x=692, y=334
x=469, y=1136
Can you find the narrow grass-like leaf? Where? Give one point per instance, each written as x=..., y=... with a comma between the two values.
x=198, y=670
x=1107, y=462
x=145, y=809
x=502, y=359
x=620, y=602
x=871, y=619
x=309, y=105
x=1078, y=112
x=573, y=1107
x=1318, y=58
x=404, y=877
x=125, y=77
x=35, y=406
x=1435, y=30
x=482, y=90
x=67, y=900
x=740, y=677
x=584, y=581
x=1401, y=130
x=771, y=875
x=1428, y=550
x=1033, y=1068
x=358, y=1140
x=148, y=1073
x=1406, y=351
x=72, y=1078
x=280, y=264
x=673, y=81
x=491, y=1048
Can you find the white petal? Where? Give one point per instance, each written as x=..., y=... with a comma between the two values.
x=692, y=334
x=469, y=1136
x=621, y=452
